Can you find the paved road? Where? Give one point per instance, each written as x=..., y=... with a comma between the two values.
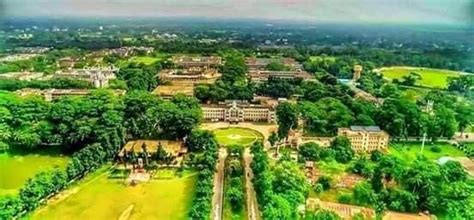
x=218, y=197
x=252, y=205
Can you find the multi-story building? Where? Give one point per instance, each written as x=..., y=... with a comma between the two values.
x=178, y=77
x=262, y=63
x=365, y=138
x=264, y=75
x=27, y=76
x=97, y=76
x=239, y=111
x=196, y=61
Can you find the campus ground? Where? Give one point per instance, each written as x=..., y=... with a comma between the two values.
x=262, y=128
x=99, y=197
x=432, y=78
x=409, y=151
x=236, y=136
x=17, y=166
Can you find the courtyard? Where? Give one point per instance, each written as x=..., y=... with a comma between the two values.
x=409, y=151
x=237, y=136
x=167, y=196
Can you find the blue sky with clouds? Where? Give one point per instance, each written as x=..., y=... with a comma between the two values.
x=398, y=11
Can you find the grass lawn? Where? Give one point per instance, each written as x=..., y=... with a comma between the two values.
x=17, y=166
x=433, y=78
x=321, y=58
x=409, y=151
x=144, y=59
x=332, y=168
x=329, y=195
x=99, y=197
x=240, y=136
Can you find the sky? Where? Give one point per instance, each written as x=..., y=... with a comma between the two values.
x=373, y=11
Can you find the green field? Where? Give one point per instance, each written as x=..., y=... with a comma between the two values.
x=239, y=136
x=17, y=166
x=409, y=151
x=432, y=78
x=99, y=197
x=321, y=58
x=144, y=59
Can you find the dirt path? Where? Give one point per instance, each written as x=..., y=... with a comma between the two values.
x=218, y=197
x=252, y=205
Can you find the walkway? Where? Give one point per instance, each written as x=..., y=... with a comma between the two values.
x=218, y=197
x=252, y=205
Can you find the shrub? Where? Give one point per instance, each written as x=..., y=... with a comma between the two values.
x=435, y=149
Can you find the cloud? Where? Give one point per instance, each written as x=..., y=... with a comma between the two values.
x=433, y=11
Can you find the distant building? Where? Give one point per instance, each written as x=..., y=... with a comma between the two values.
x=178, y=77
x=261, y=63
x=183, y=61
x=365, y=138
x=239, y=111
x=27, y=76
x=264, y=75
x=66, y=63
x=97, y=76
x=17, y=57
x=53, y=94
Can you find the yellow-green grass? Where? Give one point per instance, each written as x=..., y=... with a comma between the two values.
x=330, y=195
x=321, y=58
x=237, y=136
x=432, y=78
x=17, y=166
x=409, y=151
x=99, y=197
x=144, y=59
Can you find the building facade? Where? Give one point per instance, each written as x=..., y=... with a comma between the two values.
x=261, y=63
x=183, y=61
x=365, y=138
x=264, y=75
x=239, y=111
x=98, y=76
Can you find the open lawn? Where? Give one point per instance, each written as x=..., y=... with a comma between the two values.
x=144, y=59
x=16, y=166
x=239, y=136
x=321, y=58
x=409, y=151
x=99, y=197
x=432, y=78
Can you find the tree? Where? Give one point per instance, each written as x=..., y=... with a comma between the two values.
x=273, y=138
x=464, y=114
x=325, y=181
x=310, y=151
x=342, y=148
x=453, y=171
x=364, y=194
x=287, y=115
x=462, y=84
x=201, y=140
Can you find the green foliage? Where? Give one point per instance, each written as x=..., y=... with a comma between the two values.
x=325, y=181
x=202, y=203
x=277, y=66
x=322, y=214
x=279, y=190
x=342, y=149
x=60, y=83
x=287, y=115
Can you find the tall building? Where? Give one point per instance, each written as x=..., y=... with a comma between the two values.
x=365, y=138
x=184, y=61
x=357, y=72
x=239, y=111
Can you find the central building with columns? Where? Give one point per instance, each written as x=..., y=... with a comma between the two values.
x=239, y=111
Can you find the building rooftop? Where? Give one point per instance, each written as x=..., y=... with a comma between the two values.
x=171, y=90
x=365, y=128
